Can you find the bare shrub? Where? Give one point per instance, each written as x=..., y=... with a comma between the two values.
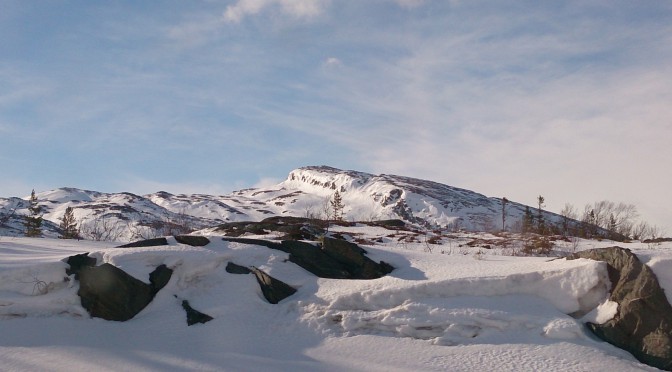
x=537, y=245
x=101, y=229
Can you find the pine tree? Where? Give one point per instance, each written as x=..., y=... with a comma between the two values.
x=337, y=206
x=33, y=221
x=68, y=225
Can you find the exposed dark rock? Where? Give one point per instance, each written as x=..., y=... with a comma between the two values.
x=292, y=228
x=335, y=260
x=159, y=278
x=315, y=260
x=77, y=262
x=194, y=316
x=110, y=293
x=343, y=251
x=232, y=268
x=657, y=240
x=193, y=240
x=390, y=223
x=146, y=243
x=273, y=289
x=352, y=257
x=643, y=323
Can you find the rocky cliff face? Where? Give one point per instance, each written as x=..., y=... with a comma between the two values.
x=305, y=192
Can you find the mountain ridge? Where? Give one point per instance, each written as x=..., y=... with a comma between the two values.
x=305, y=192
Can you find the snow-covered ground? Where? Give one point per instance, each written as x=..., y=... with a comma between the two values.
x=455, y=311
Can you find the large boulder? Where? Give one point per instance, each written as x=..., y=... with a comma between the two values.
x=110, y=293
x=643, y=322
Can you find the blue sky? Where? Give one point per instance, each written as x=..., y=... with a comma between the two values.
x=569, y=99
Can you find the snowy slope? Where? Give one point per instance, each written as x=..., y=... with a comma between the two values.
x=434, y=312
x=305, y=192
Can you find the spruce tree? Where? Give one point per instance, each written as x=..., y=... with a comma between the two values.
x=337, y=206
x=68, y=225
x=33, y=221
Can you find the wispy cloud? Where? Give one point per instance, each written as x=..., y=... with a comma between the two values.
x=294, y=8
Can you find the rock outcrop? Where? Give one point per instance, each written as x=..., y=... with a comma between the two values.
x=146, y=243
x=274, y=290
x=232, y=268
x=194, y=316
x=335, y=259
x=352, y=257
x=643, y=323
x=290, y=228
x=192, y=240
x=110, y=293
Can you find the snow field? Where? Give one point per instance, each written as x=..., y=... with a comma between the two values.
x=433, y=313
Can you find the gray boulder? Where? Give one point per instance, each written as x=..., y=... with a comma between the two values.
x=643, y=323
x=110, y=293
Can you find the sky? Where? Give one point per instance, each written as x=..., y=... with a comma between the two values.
x=569, y=100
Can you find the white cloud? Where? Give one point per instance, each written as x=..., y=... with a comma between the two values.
x=266, y=182
x=295, y=8
x=332, y=62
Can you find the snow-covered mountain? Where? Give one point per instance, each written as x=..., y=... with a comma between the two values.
x=305, y=193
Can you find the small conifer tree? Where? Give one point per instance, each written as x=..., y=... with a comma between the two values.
x=541, y=226
x=337, y=206
x=33, y=221
x=69, y=229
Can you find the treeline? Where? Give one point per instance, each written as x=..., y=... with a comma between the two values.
x=619, y=220
x=603, y=219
